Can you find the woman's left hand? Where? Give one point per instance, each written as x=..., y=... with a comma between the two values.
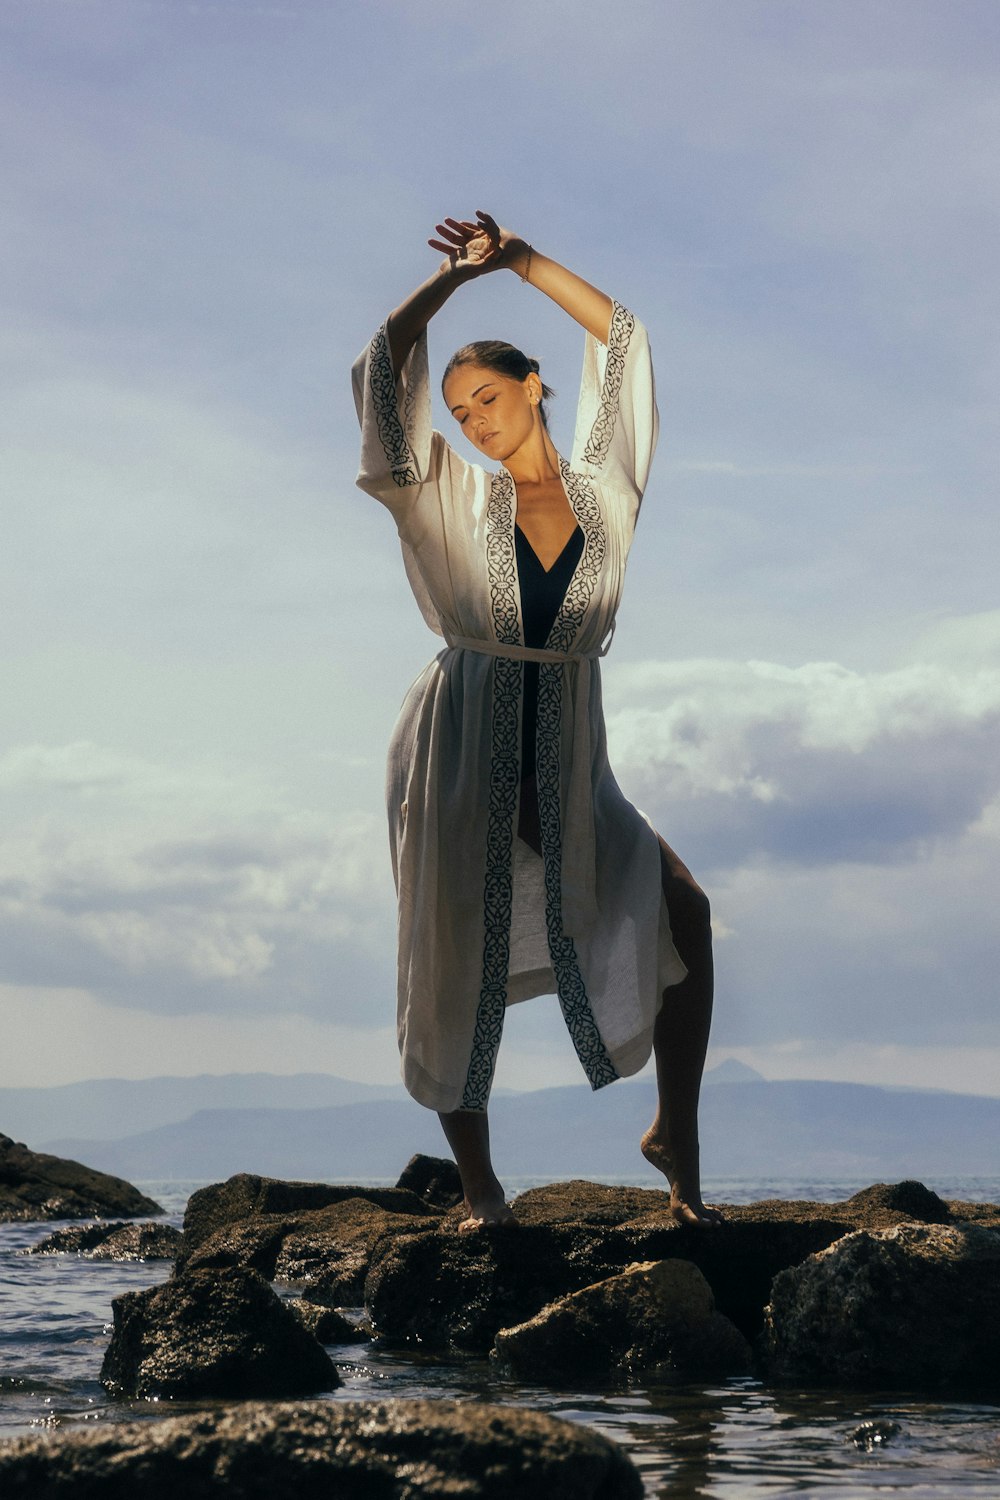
x=474, y=248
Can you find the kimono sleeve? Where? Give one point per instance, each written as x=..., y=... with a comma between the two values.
x=398, y=451
x=616, y=421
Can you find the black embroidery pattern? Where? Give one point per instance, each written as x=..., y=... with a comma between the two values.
x=581, y=586
x=570, y=988
x=390, y=429
x=619, y=334
x=498, y=891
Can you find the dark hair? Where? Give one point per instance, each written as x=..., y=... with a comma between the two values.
x=505, y=359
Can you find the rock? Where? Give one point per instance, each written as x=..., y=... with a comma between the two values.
x=873, y=1435
x=904, y=1200
x=387, y=1450
x=112, y=1242
x=324, y=1323
x=225, y=1204
x=435, y=1179
x=332, y=1246
x=656, y=1318
x=581, y=1202
x=208, y=1333
x=916, y=1306
x=472, y=1285
x=36, y=1186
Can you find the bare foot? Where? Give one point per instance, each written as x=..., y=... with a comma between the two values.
x=491, y=1209
x=686, y=1204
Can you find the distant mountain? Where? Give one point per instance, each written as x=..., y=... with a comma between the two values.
x=755, y=1128
x=109, y=1108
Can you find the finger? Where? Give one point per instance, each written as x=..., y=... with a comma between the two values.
x=460, y=224
x=450, y=235
x=445, y=249
x=488, y=220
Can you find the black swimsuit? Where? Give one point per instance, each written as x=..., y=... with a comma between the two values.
x=542, y=594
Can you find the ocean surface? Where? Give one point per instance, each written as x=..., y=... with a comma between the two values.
x=730, y=1439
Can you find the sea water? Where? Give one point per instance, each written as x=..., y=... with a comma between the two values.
x=736, y=1438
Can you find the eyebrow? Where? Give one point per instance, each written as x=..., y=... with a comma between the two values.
x=479, y=388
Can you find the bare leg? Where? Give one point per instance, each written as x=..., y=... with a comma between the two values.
x=468, y=1135
x=680, y=1042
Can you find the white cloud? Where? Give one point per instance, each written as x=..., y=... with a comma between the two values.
x=179, y=889
x=814, y=764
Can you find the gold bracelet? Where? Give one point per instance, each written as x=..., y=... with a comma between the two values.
x=527, y=270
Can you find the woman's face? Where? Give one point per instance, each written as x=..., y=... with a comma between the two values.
x=497, y=413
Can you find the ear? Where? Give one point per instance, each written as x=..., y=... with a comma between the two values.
x=534, y=384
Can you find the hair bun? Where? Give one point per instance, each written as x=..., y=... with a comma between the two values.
x=533, y=365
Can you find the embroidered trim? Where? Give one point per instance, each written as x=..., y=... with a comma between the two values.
x=583, y=502
x=619, y=334
x=391, y=431
x=570, y=987
x=498, y=892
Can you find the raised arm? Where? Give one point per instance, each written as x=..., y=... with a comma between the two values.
x=473, y=248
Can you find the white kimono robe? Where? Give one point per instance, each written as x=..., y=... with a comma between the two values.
x=483, y=921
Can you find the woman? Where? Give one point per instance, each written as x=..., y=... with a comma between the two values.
x=520, y=868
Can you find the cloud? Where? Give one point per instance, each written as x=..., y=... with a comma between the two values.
x=810, y=765
x=178, y=889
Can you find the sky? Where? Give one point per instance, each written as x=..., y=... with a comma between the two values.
x=208, y=208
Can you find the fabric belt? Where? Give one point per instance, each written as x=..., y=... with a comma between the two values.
x=526, y=653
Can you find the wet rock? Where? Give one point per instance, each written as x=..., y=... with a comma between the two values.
x=210, y=1333
x=582, y=1202
x=875, y=1434
x=112, y=1242
x=402, y=1450
x=916, y=1306
x=472, y=1285
x=324, y=1323
x=331, y=1247
x=435, y=1179
x=36, y=1186
x=655, y=1318
x=440, y=1289
x=904, y=1200
x=223, y=1205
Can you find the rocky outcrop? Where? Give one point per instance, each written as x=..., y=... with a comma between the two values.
x=403, y=1450
x=915, y=1306
x=208, y=1333
x=571, y=1234
x=36, y=1186
x=330, y=1247
x=112, y=1242
x=324, y=1323
x=654, y=1319
x=435, y=1179
x=225, y=1205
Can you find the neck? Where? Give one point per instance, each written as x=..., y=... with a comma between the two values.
x=536, y=461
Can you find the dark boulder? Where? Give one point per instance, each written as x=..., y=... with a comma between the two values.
x=208, y=1333
x=112, y=1242
x=440, y=1288
x=903, y=1200
x=330, y=1247
x=435, y=1179
x=657, y=1319
x=36, y=1186
x=915, y=1306
x=402, y=1450
x=224, y=1204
